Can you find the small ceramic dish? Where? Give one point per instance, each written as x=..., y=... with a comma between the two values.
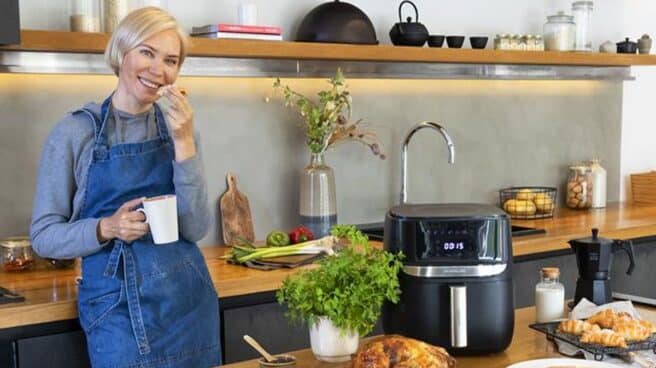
x=282, y=360
x=435, y=40
x=455, y=42
x=478, y=42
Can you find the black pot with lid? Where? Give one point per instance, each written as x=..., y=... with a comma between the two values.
x=337, y=22
x=408, y=33
x=627, y=47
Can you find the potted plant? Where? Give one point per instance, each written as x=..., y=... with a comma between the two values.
x=327, y=122
x=341, y=299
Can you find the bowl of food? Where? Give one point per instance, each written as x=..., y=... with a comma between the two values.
x=528, y=202
x=282, y=360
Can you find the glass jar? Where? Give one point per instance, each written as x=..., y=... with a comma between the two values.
x=84, y=15
x=559, y=32
x=530, y=43
x=515, y=41
x=598, y=184
x=549, y=296
x=579, y=187
x=113, y=13
x=582, y=11
x=502, y=42
x=539, y=43
x=16, y=254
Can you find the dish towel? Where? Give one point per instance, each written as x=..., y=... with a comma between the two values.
x=585, y=309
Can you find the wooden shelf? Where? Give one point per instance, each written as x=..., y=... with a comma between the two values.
x=75, y=42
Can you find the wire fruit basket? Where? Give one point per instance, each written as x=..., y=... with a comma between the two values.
x=527, y=203
x=599, y=351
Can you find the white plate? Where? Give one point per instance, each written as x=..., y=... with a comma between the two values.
x=562, y=362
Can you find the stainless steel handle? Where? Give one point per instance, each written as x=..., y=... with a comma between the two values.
x=458, y=316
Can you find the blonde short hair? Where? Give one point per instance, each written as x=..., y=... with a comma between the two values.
x=137, y=27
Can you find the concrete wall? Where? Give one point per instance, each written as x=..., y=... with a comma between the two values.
x=506, y=132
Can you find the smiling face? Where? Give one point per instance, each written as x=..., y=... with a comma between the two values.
x=152, y=64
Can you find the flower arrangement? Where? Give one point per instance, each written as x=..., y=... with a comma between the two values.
x=327, y=121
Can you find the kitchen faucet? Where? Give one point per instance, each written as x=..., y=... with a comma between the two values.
x=404, y=152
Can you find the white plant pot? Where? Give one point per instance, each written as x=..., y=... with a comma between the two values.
x=329, y=344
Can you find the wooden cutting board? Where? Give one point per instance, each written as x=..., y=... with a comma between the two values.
x=236, y=219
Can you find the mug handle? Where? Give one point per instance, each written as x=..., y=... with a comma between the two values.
x=145, y=214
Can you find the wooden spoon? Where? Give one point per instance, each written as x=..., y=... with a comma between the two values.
x=259, y=348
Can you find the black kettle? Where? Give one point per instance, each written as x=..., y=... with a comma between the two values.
x=408, y=33
x=594, y=258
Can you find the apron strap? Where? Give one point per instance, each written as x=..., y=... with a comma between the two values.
x=162, y=130
x=124, y=251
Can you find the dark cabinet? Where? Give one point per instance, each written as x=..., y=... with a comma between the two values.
x=64, y=350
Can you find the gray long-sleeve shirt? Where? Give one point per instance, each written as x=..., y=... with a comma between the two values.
x=57, y=230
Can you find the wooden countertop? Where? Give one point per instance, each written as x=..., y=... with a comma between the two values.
x=527, y=344
x=51, y=295
x=617, y=221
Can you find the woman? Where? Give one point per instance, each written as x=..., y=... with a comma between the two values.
x=140, y=304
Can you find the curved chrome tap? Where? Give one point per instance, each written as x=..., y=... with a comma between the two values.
x=404, y=151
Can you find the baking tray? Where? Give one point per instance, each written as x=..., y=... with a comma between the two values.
x=599, y=351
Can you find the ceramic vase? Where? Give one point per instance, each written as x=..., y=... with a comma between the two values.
x=317, y=205
x=330, y=344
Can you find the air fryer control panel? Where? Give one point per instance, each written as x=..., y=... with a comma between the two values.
x=469, y=238
x=456, y=240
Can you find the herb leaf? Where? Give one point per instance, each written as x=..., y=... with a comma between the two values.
x=349, y=288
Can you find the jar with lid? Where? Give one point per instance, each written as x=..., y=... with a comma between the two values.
x=598, y=184
x=579, y=187
x=16, y=254
x=113, y=13
x=582, y=11
x=502, y=42
x=549, y=296
x=530, y=42
x=84, y=15
x=515, y=41
x=539, y=43
x=559, y=32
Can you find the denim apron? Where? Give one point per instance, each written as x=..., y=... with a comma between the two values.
x=141, y=304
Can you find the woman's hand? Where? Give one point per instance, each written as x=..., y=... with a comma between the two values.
x=125, y=224
x=180, y=116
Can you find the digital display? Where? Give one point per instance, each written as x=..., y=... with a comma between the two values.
x=454, y=240
x=453, y=246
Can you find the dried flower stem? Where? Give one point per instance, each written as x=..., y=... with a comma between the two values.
x=327, y=121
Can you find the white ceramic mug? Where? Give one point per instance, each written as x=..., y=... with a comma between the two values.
x=247, y=14
x=162, y=217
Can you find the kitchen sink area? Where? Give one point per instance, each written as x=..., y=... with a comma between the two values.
x=375, y=231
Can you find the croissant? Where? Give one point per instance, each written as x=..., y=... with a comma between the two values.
x=648, y=325
x=605, y=338
x=577, y=327
x=605, y=318
x=631, y=330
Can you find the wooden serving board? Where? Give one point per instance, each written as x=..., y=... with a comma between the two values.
x=236, y=219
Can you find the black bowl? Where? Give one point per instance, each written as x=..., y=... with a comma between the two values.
x=478, y=42
x=455, y=42
x=435, y=40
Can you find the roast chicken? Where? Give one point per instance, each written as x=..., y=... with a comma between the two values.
x=395, y=351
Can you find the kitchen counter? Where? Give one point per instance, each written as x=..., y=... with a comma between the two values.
x=51, y=294
x=617, y=221
x=527, y=344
